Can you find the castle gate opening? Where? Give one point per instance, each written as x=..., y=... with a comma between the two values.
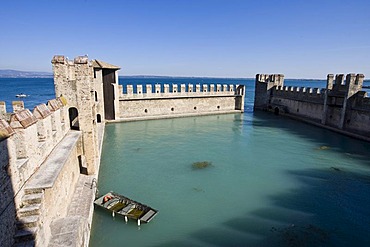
x=73, y=118
x=108, y=88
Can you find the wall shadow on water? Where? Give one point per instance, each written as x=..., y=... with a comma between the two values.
x=330, y=209
x=360, y=150
x=329, y=206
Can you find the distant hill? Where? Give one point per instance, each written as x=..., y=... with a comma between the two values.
x=9, y=73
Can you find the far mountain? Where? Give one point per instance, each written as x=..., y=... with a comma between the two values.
x=9, y=73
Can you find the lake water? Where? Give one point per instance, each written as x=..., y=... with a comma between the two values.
x=38, y=90
x=273, y=181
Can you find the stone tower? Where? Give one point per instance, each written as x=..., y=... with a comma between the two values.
x=264, y=84
x=339, y=93
x=91, y=91
x=74, y=81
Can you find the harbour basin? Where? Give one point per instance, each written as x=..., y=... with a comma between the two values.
x=271, y=182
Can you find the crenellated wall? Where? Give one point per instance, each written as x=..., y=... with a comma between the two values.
x=341, y=105
x=47, y=153
x=35, y=136
x=7, y=205
x=26, y=140
x=80, y=85
x=82, y=80
x=357, y=117
x=263, y=86
x=300, y=93
x=179, y=100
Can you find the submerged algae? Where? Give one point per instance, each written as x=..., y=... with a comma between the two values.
x=201, y=164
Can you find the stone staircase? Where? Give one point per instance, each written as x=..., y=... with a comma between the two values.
x=28, y=218
x=31, y=216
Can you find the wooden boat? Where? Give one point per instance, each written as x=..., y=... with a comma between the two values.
x=126, y=207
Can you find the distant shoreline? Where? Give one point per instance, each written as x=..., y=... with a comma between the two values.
x=11, y=74
x=24, y=77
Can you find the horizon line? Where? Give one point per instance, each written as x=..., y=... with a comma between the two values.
x=214, y=77
x=47, y=74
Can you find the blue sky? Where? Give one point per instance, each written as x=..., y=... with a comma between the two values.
x=230, y=38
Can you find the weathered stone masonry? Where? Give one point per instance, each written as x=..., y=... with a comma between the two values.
x=27, y=140
x=44, y=154
x=341, y=106
x=163, y=102
x=50, y=157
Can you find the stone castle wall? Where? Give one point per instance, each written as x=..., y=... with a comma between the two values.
x=26, y=140
x=74, y=80
x=187, y=100
x=7, y=206
x=94, y=85
x=58, y=195
x=341, y=106
x=307, y=102
x=358, y=117
x=43, y=153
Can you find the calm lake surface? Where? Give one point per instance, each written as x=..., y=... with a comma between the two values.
x=273, y=182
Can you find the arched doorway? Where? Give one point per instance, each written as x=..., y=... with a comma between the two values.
x=73, y=118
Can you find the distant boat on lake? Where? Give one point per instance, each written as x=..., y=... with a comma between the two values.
x=21, y=95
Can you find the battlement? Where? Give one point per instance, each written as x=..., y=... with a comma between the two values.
x=341, y=105
x=263, y=85
x=29, y=137
x=94, y=85
x=64, y=60
x=49, y=118
x=70, y=76
x=302, y=90
x=300, y=93
x=5, y=130
x=163, y=101
x=268, y=86
x=182, y=90
x=277, y=79
x=346, y=86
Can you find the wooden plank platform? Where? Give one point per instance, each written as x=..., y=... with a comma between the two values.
x=126, y=207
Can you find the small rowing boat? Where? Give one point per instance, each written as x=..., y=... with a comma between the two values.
x=126, y=207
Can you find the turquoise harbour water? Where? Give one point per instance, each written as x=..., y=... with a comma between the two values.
x=273, y=182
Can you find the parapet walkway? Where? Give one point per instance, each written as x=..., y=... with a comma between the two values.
x=74, y=229
x=44, y=178
x=48, y=172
